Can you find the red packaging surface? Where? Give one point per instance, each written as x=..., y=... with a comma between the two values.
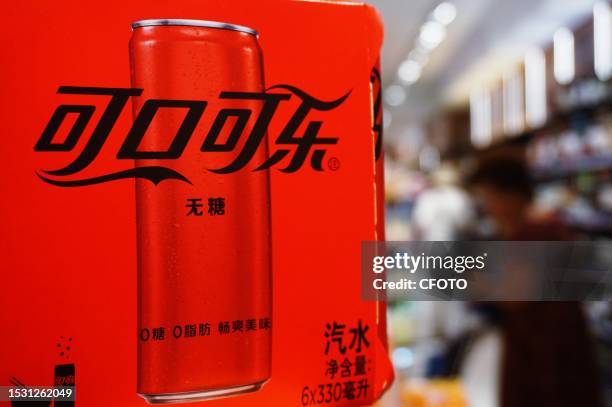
x=69, y=298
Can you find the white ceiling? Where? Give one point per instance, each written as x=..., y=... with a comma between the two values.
x=486, y=36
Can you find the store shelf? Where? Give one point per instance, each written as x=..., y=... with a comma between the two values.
x=559, y=119
x=598, y=224
x=572, y=168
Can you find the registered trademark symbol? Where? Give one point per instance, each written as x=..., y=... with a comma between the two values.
x=333, y=164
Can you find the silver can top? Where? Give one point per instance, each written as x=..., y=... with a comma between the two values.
x=193, y=23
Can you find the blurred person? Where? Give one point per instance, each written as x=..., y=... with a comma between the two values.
x=444, y=211
x=547, y=359
x=503, y=188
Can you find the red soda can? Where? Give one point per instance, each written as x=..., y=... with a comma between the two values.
x=204, y=249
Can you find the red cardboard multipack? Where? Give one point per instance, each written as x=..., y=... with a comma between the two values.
x=185, y=191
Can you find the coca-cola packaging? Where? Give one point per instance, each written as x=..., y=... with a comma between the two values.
x=185, y=192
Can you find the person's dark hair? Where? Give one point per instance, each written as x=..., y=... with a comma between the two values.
x=506, y=173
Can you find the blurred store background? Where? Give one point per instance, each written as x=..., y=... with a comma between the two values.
x=517, y=92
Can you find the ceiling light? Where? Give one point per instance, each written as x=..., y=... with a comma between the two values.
x=602, y=27
x=432, y=34
x=535, y=87
x=563, y=51
x=418, y=55
x=481, y=127
x=395, y=95
x=409, y=72
x=513, y=98
x=445, y=13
